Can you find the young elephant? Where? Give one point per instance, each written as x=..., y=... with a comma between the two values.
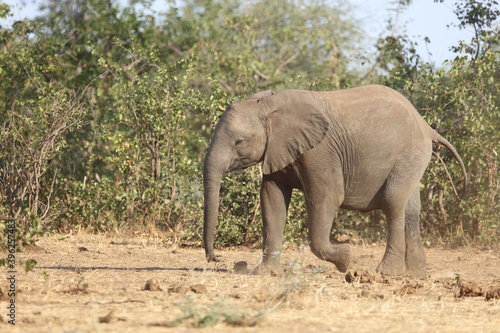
x=359, y=149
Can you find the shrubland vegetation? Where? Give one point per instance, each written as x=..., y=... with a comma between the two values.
x=107, y=109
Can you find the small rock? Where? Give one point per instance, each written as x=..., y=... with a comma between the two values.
x=82, y=249
x=179, y=290
x=152, y=285
x=365, y=293
x=199, y=288
x=241, y=267
x=109, y=317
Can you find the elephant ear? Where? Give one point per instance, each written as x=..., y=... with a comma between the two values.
x=295, y=125
x=261, y=94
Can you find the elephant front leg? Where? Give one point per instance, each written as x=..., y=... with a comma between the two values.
x=275, y=199
x=320, y=219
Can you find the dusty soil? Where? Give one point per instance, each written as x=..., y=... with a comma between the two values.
x=116, y=284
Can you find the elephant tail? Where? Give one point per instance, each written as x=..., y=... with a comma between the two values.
x=436, y=138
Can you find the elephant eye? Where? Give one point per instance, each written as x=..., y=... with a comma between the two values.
x=238, y=142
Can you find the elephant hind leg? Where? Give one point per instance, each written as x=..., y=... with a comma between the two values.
x=401, y=205
x=393, y=262
x=415, y=255
x=396, y=199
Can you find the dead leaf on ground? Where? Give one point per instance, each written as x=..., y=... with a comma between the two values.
x=359, y=276
x=470, y=289
x=199, y=288
x=493, y=293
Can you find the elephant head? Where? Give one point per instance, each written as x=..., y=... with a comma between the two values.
x=271, y=128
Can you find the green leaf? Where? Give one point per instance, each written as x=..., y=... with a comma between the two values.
x=30, y=264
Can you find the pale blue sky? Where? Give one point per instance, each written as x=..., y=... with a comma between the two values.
x=424, y=18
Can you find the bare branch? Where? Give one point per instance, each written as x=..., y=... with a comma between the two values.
x=449, y=176
x=47, y=207
x=286, y=62
x=259, y=73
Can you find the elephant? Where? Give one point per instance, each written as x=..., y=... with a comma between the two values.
x=360, y=149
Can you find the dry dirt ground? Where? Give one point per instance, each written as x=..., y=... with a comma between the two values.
x=86, y=283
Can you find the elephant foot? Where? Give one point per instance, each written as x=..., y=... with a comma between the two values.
x=415, y=261
x=269, y=269
x=418, y=272
x=391, y=267
x=338, y=254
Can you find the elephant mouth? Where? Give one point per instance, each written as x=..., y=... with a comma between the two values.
x=237, y=169
x=240, y=165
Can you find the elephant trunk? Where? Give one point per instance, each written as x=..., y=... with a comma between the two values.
x=213, y=169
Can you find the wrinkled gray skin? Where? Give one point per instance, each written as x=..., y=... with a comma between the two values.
x=359, y=149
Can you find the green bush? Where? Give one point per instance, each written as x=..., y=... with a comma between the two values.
x=461, y=102
x=107, y=111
